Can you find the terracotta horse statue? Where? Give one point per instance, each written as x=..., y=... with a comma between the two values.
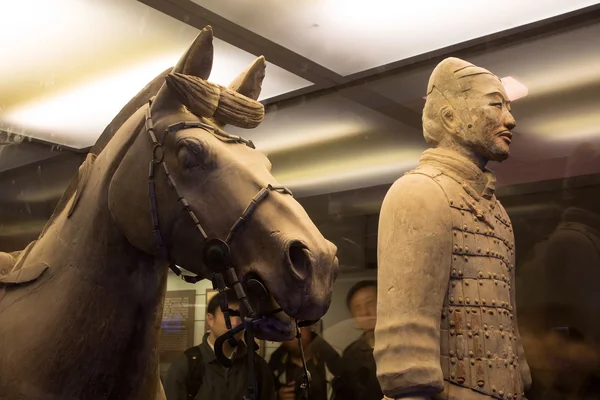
x=81, y=307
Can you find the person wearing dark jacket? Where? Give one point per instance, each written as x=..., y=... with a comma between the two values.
x=358, y=379
x=286, y=364
x=206, y=378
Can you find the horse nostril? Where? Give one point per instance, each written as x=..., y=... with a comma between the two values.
x=299, y=258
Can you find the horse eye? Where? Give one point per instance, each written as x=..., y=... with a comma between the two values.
x=191, y=153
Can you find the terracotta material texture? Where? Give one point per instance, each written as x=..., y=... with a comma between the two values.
x=81, y=307
x=447, y=324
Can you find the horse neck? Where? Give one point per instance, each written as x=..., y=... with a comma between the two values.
x=88, y=243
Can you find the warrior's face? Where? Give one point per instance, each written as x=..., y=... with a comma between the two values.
x=489, y=115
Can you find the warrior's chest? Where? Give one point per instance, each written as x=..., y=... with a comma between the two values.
x=483, y=251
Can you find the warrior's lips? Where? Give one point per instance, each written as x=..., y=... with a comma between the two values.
x=507, y=136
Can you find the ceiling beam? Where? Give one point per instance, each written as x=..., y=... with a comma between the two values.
x=197, y=16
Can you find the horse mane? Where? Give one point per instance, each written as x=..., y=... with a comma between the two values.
x=78, y=182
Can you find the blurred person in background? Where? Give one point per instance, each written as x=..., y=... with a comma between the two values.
x=286, y=364
x=358, y=379
x=198, y=375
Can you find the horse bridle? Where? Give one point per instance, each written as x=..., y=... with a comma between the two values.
x=216, y=253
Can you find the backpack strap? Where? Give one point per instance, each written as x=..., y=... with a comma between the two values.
x=195, y=371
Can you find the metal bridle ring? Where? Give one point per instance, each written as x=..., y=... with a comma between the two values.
x=155, y=158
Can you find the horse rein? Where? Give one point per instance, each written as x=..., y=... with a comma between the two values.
x=216, y=252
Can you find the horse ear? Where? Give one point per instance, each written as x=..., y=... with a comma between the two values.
x=196, y=62
x=198, y=59
x=248, y=83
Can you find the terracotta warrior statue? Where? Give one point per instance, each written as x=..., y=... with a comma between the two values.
x=447, y=323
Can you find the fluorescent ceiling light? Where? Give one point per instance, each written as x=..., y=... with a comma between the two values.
x=348, y=36
x=299, y=137
x=75, y=63
x=569, y=125
x=338, y=174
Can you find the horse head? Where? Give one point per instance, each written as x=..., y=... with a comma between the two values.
x=210, y=184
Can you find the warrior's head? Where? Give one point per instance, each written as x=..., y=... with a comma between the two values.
x=467, y=109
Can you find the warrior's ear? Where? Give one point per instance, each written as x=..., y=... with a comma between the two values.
x=248, y=83
x=196, y=62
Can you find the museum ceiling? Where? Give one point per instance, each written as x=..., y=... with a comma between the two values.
x=343, y=91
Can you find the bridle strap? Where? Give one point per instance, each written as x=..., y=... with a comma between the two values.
x=216, y=252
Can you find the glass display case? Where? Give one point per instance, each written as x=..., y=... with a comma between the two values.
x=332, y=114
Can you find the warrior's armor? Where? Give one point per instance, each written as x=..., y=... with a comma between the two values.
x=446, y=309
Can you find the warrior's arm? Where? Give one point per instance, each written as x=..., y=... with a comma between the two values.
x=414, y=256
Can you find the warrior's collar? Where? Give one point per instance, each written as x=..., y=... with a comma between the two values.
x=461, y=169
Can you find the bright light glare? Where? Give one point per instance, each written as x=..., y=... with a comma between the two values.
x=376, y=168
x=309, y=136
x=514, y=89
x=76, y=117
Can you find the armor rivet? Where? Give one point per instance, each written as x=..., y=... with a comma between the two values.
x=490, y=275
x=466, y=283
x=460, y=272
x=460, y=300
x=453, y=375
x=483, y=301
x=485, y=326
x=487, y=251
x=453, y=284
x=477, y=229
x=489, y=353
x=501, y=393
x=460, y=205
x=496, y=283
x=452, y=323
x=503, y=334
x=487, y=336
x=451, y=299
x=493, y=302
x=455, y=233
x=456, y=246
x=462, y=213
x=490, y=364
x=491, y=312
x=451, y=202
x=452, y=332
x=470, y=334
x=494, y=275
x=460, y=249
x=475, y=219
x=452, y=353
x=506, y=363
x=460, y=380
x=466, y=258
x=455, y=258
x=472, y=362
x=483, y=310
x=476, y=301
x=494, y=389
x=501, y=327
x=480, y=383
x=471, y=354
x=468, y=300
x=480, y=283
x=453, y=360
x=480, y=274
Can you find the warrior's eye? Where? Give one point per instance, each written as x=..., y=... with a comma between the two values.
x=192, y=153
x=499, y=105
